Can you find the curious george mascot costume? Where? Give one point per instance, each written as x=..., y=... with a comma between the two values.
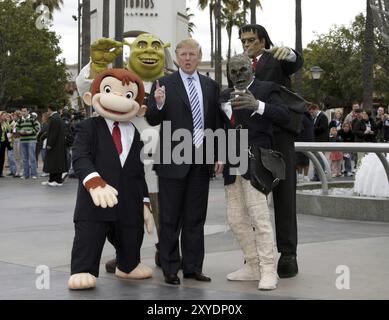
x=112, y=199
x=147, y=61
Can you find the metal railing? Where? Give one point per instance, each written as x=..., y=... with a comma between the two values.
x=308, y=148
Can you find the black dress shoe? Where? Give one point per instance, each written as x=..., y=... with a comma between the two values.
x=287, y=265
x=172, y=279
x=197, y=276
x=110, y=266
x=156, y=258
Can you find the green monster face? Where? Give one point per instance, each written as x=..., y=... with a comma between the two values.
x=147, y=58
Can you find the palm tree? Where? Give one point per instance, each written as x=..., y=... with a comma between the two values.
x=231, y=16
x=191, y=25
x=106, y=18
x=253, y=8
x=298, y=77
x=85, y=47
x=218, y=53
x=245, y=8
x=368, y=59
x=211, y=6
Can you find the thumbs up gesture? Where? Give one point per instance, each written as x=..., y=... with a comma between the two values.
x=159, y=94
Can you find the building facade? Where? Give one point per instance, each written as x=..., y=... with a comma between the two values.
x=165, y=19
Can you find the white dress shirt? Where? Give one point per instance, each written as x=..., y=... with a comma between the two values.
x=127, y=132
x=197, y=84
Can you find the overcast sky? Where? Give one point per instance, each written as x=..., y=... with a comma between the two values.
x=277, y=16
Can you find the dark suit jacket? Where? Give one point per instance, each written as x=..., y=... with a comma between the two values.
x=177, y=110
x=359, y=127
x=320, y=128
x=260, y=127
x=270, y=69
x=55, y=159
x=94, y=151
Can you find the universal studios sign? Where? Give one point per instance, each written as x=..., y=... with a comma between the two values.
x=140, y=8
x=140, y=4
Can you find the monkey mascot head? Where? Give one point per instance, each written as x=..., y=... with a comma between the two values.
x=116, y=94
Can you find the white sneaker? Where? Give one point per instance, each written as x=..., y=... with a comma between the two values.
x=54, y=184
x=34, y=177
x=44, y=174
x=247, y=273
x=269, y=279
x=44, y=183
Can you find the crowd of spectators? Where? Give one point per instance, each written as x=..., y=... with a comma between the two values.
x=23, y=138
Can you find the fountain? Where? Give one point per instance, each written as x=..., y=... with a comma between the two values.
x=368, y=199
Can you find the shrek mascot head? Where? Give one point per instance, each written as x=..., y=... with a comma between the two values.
x=147, y=58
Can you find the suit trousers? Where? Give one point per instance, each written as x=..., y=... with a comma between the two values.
x=55, y=177
x=89, y=241
x=183, y=208
x=284, y=195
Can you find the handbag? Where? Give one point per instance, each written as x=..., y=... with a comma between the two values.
x=267, y=169
x=297, y=105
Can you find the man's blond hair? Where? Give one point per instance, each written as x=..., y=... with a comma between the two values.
x=189, y=43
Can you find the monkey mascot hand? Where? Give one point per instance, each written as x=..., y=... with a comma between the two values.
x=116, y=95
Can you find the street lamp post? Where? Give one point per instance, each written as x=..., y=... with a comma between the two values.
x=78, y=19
x=119, y=29
x=316, y=74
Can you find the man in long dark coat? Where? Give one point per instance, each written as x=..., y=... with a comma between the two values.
x=55, y=160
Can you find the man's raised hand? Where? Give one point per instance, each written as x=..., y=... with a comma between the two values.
x=159, y=94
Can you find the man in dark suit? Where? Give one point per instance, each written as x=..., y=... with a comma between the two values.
x=55, y=159
x=320, y=131
x=184, y=100
x=277, y=64
x=255, y=109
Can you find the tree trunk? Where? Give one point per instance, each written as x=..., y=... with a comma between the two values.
x=229, y=31
x=85, y=51
x=119, y=29
x=368, y=60
x=253, y=7
x=298, y=77
x=212, y=35
x=218, y=43
x=106, y=19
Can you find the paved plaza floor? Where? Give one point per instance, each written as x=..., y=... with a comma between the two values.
x=338, y=259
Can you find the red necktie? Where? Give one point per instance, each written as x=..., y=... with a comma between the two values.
x=232, y=120
x=254, y=63
x=117, y=137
